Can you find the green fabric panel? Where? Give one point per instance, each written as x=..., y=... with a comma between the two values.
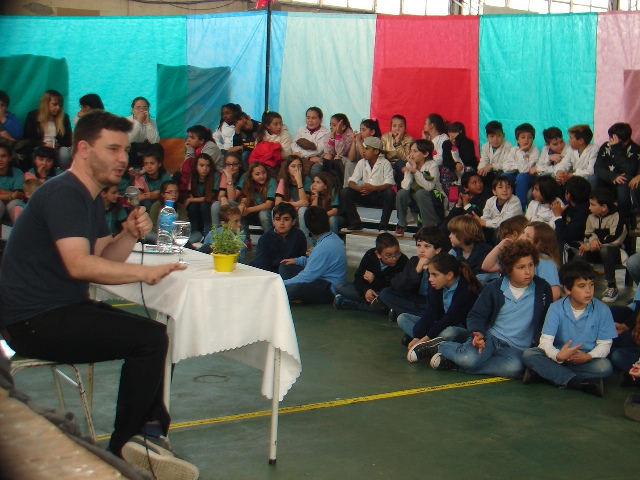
x=172, y=100
x=26, y=77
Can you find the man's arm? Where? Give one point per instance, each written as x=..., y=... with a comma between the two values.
x=107, y=265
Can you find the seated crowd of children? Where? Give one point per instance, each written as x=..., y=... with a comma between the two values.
x=503, y=237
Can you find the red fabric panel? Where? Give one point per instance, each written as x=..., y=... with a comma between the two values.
x=426, y=65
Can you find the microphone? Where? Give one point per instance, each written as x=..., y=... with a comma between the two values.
x=133, y=195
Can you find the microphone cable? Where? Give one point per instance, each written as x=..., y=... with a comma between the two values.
x=133, y=194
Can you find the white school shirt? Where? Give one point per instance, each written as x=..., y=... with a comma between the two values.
x=546, y=166
x=581, y=165
x=489, y=156
x=143, y=131
x=494, y=218
x=320, y=137
x=437, y=146
x=538, y=212
x=519, y=161
x=223, y=136
x=380, y=174
x=431, y=168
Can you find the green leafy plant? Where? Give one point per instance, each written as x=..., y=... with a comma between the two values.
x=225, y=241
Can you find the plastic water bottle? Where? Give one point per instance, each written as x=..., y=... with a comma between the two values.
x=168, y=215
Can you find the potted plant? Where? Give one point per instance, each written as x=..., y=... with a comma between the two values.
x=225, y=246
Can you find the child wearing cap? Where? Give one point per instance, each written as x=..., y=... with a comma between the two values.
x=371, y=185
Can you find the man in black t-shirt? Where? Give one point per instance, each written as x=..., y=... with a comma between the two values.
x=61, y=243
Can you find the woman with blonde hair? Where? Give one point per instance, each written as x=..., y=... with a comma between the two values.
x=48, y=125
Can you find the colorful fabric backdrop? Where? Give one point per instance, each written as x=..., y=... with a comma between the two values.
x=540, y=69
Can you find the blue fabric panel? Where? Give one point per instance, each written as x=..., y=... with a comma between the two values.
x=328, y=63
x=238, y=41
x=208, y=91
x=115, y=57
x=539, y=69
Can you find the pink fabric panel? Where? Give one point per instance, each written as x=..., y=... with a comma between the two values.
x=617, y=52
x=441, y=45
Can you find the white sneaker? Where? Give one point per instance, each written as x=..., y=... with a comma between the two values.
x=163, y=466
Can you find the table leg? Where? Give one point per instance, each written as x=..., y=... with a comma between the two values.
x=275, y=404
x=168, y=321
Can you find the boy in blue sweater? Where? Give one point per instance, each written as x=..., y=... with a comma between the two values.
x=505, y=320
x=281, y=241
x=314, y=279
x=576, y=337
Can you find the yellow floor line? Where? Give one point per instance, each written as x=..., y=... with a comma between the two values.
x=130, y=304
x=332, y=403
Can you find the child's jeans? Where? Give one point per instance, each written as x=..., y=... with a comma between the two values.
x=497, y=357
x=561, y=373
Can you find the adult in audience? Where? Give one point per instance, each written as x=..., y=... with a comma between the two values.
x=144, y=132
x=88, y=102
x=48, y=125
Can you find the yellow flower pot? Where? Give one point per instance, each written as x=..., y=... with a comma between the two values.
x=225, y=263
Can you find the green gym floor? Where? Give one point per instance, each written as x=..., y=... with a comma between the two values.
x=359, y=410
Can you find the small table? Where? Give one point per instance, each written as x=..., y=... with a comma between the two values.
x=245, y=314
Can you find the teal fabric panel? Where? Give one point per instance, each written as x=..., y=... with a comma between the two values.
x=238, y=41
x=115, y=57
x=172, y=104
x=26, y=77
x=539, y=69
x=328, y=63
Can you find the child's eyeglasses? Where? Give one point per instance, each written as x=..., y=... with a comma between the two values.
x=391, y=256
x=234, y=164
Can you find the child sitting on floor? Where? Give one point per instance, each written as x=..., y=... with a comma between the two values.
x=467, y=242
x=454, y=290
x=408, y=290
x=576, y=337
x=505, y=320
x=545, y=190
x=377, y=267
x=314, y=279
x=227, y=214
x=281, y=241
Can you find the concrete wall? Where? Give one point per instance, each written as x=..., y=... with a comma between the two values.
x=138, y=8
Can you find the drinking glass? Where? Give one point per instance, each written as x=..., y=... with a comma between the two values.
x=181, y=231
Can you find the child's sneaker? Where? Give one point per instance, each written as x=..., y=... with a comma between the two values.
x=378, y=305
x=400, y=231
x=424, y=350
x=610, y=295
x=439, y=362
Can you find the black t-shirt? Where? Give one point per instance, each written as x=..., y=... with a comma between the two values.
x=34, y=279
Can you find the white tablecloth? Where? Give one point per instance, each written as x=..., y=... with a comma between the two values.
x=245, y=314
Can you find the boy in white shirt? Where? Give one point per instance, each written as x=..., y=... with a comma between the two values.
x=582, y=159
x=371, y=185
x=503, y=205
x=521, y=160
x=493, y=153
x=553, y=153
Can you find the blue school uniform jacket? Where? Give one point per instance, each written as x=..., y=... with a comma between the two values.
x=434, y=319
x=484, y=313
